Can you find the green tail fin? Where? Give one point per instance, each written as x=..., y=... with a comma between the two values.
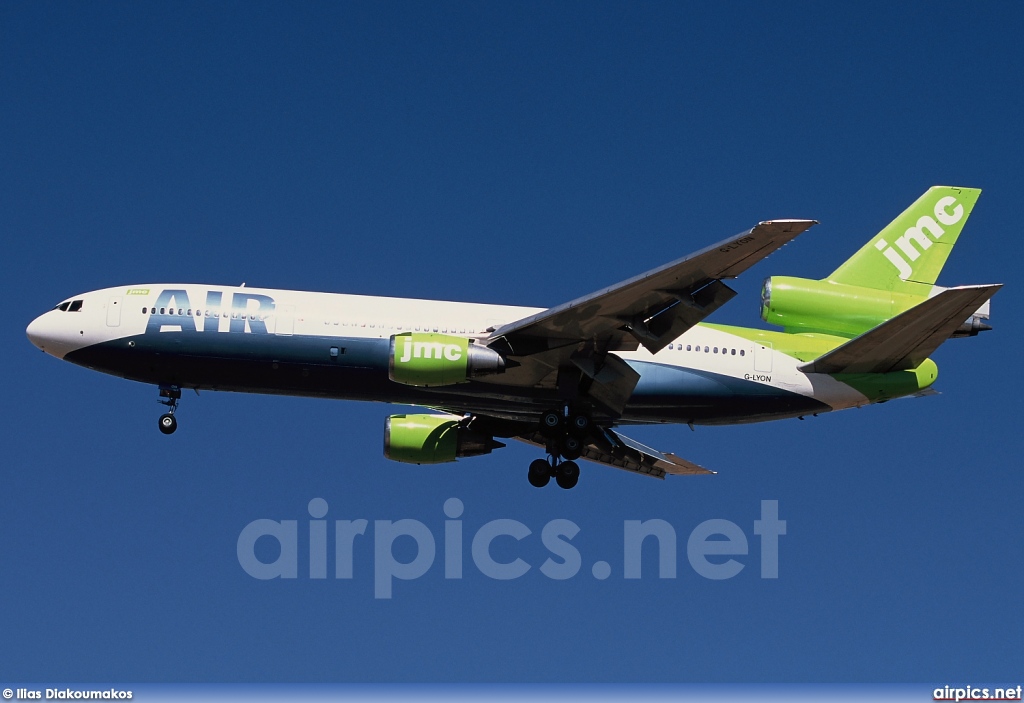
x=907, y=256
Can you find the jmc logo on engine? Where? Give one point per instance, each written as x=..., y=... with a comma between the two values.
x=428, y=350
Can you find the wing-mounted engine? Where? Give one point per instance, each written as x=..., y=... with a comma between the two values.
x=426, y=359
x=433, y=439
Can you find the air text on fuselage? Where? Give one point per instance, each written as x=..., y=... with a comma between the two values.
x=247, y=313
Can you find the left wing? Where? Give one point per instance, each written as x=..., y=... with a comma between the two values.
x=653, y=308
x=571, y=346
x=613, y=449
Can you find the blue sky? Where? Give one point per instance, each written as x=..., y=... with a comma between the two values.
x=521, y=153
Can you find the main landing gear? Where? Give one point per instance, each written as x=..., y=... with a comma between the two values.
x=566, y=435
x=171, y=396
x=566, y=473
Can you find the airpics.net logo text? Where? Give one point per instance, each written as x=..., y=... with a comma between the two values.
x=715, y=549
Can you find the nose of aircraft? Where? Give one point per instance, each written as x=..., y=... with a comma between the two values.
x=35, y=332
x=48, y=334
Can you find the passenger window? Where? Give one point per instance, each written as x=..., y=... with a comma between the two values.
x=742, y=353
x=705, y=350
x=716, y=350
x=670, y=346
x=734, y=352
x=162, y=310
x=144, y=311
x=687, y=347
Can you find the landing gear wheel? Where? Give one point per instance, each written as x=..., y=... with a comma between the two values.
x=168, y=424
x=551, y=423
x=579, y=425
x=567, y=475
x=171, y=396
x=571, y=447
x=540, y=473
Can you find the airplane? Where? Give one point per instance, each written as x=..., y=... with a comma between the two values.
x=563, y=378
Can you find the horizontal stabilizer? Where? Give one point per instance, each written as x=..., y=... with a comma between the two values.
x=907, y=339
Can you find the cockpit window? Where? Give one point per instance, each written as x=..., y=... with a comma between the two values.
x=69, y=306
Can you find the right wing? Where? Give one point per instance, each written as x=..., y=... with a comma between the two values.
x=907, y=339
x=613, y=449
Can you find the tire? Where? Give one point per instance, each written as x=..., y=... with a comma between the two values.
x=567, y=474
x=168, y=424
x=579, y=425
x=540, y=473
x=571, y=447
x=551, y=423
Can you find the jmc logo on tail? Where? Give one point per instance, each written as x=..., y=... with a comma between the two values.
x=947, y=212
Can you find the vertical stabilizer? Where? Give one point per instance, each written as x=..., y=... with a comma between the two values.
x=907, y=256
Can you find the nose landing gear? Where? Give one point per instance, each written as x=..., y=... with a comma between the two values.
x=171, y=396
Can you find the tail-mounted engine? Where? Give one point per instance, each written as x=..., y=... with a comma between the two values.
x=804, y=305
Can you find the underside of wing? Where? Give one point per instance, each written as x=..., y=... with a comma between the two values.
x=571, y=347
x=653, y=308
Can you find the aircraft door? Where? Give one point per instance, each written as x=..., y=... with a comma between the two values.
x=763, y=358
x=285, y=320
x=114, y=311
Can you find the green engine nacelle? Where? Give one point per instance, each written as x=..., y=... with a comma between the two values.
x=425, y=359
x=432, y=439
x=804, y=305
